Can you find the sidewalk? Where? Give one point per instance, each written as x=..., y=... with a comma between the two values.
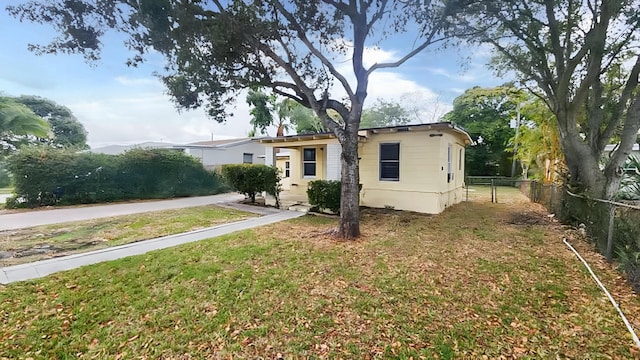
x=43, y=268
x=26, y=219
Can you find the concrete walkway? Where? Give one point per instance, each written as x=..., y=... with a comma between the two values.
x=27, y=219
x=43, y=268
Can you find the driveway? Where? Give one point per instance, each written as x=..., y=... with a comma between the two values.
x=45, y=217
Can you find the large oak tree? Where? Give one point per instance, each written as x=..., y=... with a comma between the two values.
x=581, y=57
x=295, y=48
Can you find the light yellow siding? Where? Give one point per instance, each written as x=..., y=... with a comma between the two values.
x=422, y=184
x=299, y=183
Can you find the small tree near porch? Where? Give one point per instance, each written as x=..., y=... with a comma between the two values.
x=296, y=48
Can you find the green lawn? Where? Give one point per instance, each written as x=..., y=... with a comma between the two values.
x=81, y=236
x=6, y=190
x=478, y=280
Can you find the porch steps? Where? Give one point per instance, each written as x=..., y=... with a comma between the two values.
x=300, y=207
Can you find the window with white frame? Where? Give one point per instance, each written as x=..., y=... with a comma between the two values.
x=309, y=162
x=460, y=159
x=287, y=169
x=247, y=158
x=390, y=162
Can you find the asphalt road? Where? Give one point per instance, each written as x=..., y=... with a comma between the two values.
x=27, y=219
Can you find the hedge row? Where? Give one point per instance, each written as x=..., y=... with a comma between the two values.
x=48, y=176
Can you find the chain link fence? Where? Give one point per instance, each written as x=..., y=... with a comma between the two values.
x=490, y=188
x=613, y=227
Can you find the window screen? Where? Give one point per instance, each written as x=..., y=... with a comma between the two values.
x=309, y=162
x=390, y=162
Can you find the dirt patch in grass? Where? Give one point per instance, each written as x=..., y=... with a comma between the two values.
x=528, y=217
x=43, y=242
x=463, y=284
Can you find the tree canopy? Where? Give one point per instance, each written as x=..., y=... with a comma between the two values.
x=486, y=113
x=262, y=107
x=579, y=57
x=66, y=130
x=214, y=49
x=385, y=113
x=16, y=122
x=538, y=144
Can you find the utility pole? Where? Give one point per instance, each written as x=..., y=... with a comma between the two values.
x=515, y=141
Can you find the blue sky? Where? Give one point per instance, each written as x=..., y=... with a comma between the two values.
x=122, y=105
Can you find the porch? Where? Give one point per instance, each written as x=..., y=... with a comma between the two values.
x=290, y=201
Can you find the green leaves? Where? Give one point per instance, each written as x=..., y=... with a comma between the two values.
x=251, y=179
x=17, y=120
x=385, y=113
x=47, y=176
x=66, y=130
x=325, y=194
x=261, y=112
x=485, y=113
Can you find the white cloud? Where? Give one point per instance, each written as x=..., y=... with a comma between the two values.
x=151, y=117
x=462, y=77
x=375, y=55
x=147, y=81
x=423, y=102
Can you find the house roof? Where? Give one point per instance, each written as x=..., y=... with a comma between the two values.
x=447, y=126
x=293, y=138
x=217, y=144
x=364, y=133
x=119, y=149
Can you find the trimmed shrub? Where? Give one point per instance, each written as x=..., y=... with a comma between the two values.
x=251, y=179
x=48, y=176
x=325, y=194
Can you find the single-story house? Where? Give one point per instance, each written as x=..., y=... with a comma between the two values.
x=121, y=149
x=229, y=151
x=409, y=167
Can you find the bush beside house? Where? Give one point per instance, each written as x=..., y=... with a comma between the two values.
x=252, y=179
x=325, y=194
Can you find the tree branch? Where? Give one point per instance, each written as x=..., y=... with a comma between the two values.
x=317, y=53
x=554, y=35
x=377, y=15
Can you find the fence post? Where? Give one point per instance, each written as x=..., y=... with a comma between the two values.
x=492, y=199
x=467, y=188
x=612, y=215
x=532, y=194
x=495, y=190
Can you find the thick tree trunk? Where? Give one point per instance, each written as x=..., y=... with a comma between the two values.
x=583, y=165
x=583, y=159
x=350, y=196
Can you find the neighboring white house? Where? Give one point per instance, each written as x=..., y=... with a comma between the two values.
x=121, y=149
x=608, y=149
x=229, y=151
x=635, y=152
